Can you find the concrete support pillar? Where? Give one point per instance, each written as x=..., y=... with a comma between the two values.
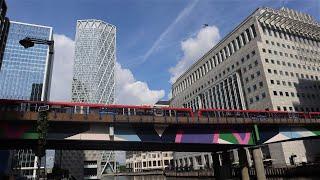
x=216, y=165
x=244, y=165
x=226, y=165
x=258, y=163
x=195, y=163
x=185, y=163
x=210, y=161
x=203, y=160
x=235, y=155
x=189, y=162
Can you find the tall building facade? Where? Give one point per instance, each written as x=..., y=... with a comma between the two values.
x=4, y=28
x=93, y=82
x=26, y=75
x=95, y=57
x=270, y=61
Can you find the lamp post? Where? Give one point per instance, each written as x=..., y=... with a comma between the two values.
x=42, y=123
x=29, y=42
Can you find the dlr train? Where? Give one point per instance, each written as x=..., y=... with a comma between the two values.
x=146, y=110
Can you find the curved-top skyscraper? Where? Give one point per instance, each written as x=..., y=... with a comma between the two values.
x=93, y=82
x=95, y=57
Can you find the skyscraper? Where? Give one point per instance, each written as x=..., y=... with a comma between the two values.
x=26, y=75
x=270, y=61
x=93, y=82
x=4, y=28
x=95, y=56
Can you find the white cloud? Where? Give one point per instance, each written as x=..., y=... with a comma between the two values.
x=62, y=68
x=193, y=48
x=128, y=89
x=131, y=91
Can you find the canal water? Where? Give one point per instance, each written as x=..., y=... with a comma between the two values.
x=160, y=177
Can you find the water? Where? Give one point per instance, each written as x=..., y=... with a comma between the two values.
x=150, y=177
x=161, y=177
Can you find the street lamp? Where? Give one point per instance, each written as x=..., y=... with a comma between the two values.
x=29, y=42
x=42, y=123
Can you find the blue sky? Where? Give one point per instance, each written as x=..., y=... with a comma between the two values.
x=149, y=32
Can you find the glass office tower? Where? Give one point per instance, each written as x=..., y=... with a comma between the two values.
x=25, y=75
x=4, y=28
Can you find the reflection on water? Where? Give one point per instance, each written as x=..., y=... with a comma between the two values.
x=295, y=178
x=160, y=177
x=149, y=177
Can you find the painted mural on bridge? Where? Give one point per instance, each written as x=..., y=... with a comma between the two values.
x=188, y=134
x=17, y=131
x=284, y=133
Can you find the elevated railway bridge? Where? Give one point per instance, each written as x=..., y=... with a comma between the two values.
x=77, y=126
x=121, y=127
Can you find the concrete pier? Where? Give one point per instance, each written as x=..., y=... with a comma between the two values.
x=244, y=165
x=258, y=163
x=216, y=165
x=226, y=165
x=222, y=165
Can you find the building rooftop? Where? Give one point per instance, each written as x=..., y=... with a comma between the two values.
x=307, y=24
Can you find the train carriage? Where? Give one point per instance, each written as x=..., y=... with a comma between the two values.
x=147, y=113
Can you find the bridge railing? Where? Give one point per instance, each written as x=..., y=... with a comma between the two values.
x=80, y=112
x=109, y=118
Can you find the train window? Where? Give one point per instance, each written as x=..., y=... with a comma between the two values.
x=227, y=113
x=69, y=110
x=140, y=112
x=131, y=112
x=23, y=107
x=238, y=114
x=118, y=111
x=125, y=111
x=167, y=113
x=280, y=115
x=210, y=113
x=215, y=114
x=158, y=112
x=106, y=111
x=293, y=115
x=257, y=115
x=203, y=113
x=207, y=114
x=33, y=107
x=149, y=112
x=77, y=109
x=94, y=110
x=183, y=113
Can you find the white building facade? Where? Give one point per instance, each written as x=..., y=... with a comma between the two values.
x=94, y=63
x=148, y=161
x=270, y=61
x=192, y=160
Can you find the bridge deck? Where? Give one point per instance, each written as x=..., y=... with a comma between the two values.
x=105, y=118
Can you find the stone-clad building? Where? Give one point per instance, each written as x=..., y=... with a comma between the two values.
x=270, y=61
